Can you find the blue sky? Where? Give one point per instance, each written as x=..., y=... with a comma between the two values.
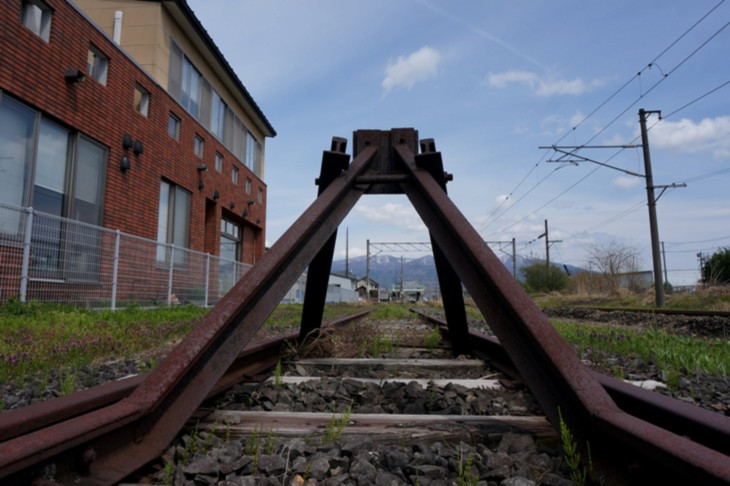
x=491, y=82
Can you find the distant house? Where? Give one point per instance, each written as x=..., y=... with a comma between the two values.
x=339, y=289
x=369, y=289
x=124, y=114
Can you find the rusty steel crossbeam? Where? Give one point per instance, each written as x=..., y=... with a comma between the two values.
x=552, y=371
x=702, y=426
x=124, y=436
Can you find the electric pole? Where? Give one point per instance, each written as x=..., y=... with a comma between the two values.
x=547, y=245
x=570, y=155
x=651, y=202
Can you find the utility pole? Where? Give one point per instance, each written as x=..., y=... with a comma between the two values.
x=347, y=252
x=367, y=271
x=570, y=155
x=514, y=259
x=547, y=245
x=664, y=260
x=653, y=227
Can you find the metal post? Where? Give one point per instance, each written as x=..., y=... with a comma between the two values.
x=367, y=271
x=115, y=271
x=651, y=202
x=25, y=269
x=207, y=278
x=547, y=247
x=514, y=259
x=169, y=277
x=664, y=260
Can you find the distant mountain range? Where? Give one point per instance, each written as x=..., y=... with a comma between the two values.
x=386, y=270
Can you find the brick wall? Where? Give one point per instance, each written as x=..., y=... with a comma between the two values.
x=32, y=71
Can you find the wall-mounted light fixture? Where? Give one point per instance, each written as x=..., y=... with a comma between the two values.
x=124, y=164
x=216, y=196
x=202, y=167
x=74, y=76
x=258, y=221
x=137, y=147
x=245, y=213
x=201, y=186
x=232, y=205
x=250, y=202
x=127, y=141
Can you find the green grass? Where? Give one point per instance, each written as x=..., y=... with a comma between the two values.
x=41, y=338
x=392, y=311
x=711, y=299
x=671, y=353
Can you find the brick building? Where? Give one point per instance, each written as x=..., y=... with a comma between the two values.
x=124, y=114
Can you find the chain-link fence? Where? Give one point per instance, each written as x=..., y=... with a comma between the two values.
x=47, y=258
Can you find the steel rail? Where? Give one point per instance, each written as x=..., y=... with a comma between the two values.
x=119, y=439
x=702, y=426
x=662, y=311
x=562, y=385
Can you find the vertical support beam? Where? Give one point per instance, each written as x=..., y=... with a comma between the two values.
x=651, y=202
x=25, y=268
x=115, y=271
x=334, y=162
x=207, y=279
x=169, y=276
x=367, y=271
x=449, y=281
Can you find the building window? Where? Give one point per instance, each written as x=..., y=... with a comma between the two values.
x=218, y=116
x=230, y=241
x=218, y=162
x=173, y=223
x=261, y=196
x=37, y=17
x=141, y=99
x=60, y=173
x=97, y=64
x=248, y=185
x=198, y=146
x=234, y=175
x=253, y=154
x=173, y=126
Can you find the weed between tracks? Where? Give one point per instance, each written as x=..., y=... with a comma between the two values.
x=673, y=354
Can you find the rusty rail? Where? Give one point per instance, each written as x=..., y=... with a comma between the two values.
x=108, y=443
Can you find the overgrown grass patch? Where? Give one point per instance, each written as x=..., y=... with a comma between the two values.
x=392, y=311
x=670, y=352
x=38, y=338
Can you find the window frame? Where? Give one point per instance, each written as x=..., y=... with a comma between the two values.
x=60, y=196
x=141, y=107
x=99, y=68
x=43, y=29
x=170, y=228
x=198, y=146
x=218, y=162
x=174, y=121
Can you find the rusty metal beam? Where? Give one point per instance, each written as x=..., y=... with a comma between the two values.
x=334, y=162
x=553, y=372
x=128, y=434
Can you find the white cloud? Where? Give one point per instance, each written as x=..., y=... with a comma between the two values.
x=626, y=182
x=541, y=86
x=392, y=214
x=687, y=136
x=407, y=71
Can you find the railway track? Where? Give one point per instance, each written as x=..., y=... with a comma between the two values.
x=103, y=435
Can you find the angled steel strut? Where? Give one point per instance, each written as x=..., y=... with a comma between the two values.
x=115, y=440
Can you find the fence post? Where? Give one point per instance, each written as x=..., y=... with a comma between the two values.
x=169, y=278
x=115, y=271
x=207, y=278
x=25, y=268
